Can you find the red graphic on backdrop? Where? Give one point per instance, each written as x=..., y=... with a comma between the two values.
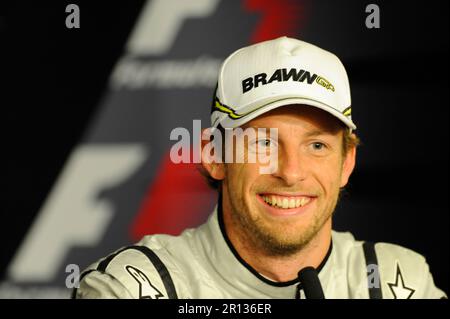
x=278, y=18
x=179, y=193
x=174, y=201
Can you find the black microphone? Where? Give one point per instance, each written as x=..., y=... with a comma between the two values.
x=310, y=282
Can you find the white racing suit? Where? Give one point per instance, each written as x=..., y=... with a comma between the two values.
x=202, y=263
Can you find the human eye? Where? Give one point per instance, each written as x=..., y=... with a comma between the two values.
x=261, y=145
x=318, y=148
x=264, y=143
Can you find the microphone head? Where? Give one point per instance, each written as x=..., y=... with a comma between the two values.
x=309, y=278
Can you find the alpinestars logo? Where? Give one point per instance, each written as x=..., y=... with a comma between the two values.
x=146, y=289
x=399, y=289
x=283, y=75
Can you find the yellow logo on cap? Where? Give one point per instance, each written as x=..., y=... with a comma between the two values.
x=347, y=111
x=325, y=83
x=226, y=109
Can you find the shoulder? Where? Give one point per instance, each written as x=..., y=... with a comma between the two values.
x=142, y=271
x=403, y=273
x=385, y=254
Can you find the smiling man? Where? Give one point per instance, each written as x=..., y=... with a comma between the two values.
x=281, y=222
x=271, y=234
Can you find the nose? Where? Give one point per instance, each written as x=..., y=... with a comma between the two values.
x=292, y=167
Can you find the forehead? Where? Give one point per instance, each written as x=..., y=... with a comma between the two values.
x=301, y=117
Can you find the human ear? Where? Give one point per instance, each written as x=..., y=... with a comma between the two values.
x=348, y=165
x=211, y=154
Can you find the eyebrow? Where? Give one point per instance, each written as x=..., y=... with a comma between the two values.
x=317, y=133
x=309, y=134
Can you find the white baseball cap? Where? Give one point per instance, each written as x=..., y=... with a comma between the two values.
x=283, y=71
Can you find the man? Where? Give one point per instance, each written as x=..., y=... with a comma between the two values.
x=271, y=233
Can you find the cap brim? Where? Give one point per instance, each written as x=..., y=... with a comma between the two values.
x=228, y=122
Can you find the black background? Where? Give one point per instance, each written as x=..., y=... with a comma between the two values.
x=52, y=79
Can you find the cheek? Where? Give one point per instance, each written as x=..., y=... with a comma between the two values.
x=328, y=172
x=241, y=178
x=235, y=176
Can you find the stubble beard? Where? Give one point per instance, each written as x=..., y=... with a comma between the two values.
x=273, y=240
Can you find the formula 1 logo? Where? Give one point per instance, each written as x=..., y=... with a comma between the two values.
x=74, y=214
x=71, y=215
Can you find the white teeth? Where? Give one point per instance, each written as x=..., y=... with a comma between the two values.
x=284, y=202
x=274, y=200
x=291, y=203
x=304, y=200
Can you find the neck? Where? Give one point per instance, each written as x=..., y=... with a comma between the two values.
x=279, y=268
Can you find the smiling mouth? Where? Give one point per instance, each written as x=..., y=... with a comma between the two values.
x=285, y=202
